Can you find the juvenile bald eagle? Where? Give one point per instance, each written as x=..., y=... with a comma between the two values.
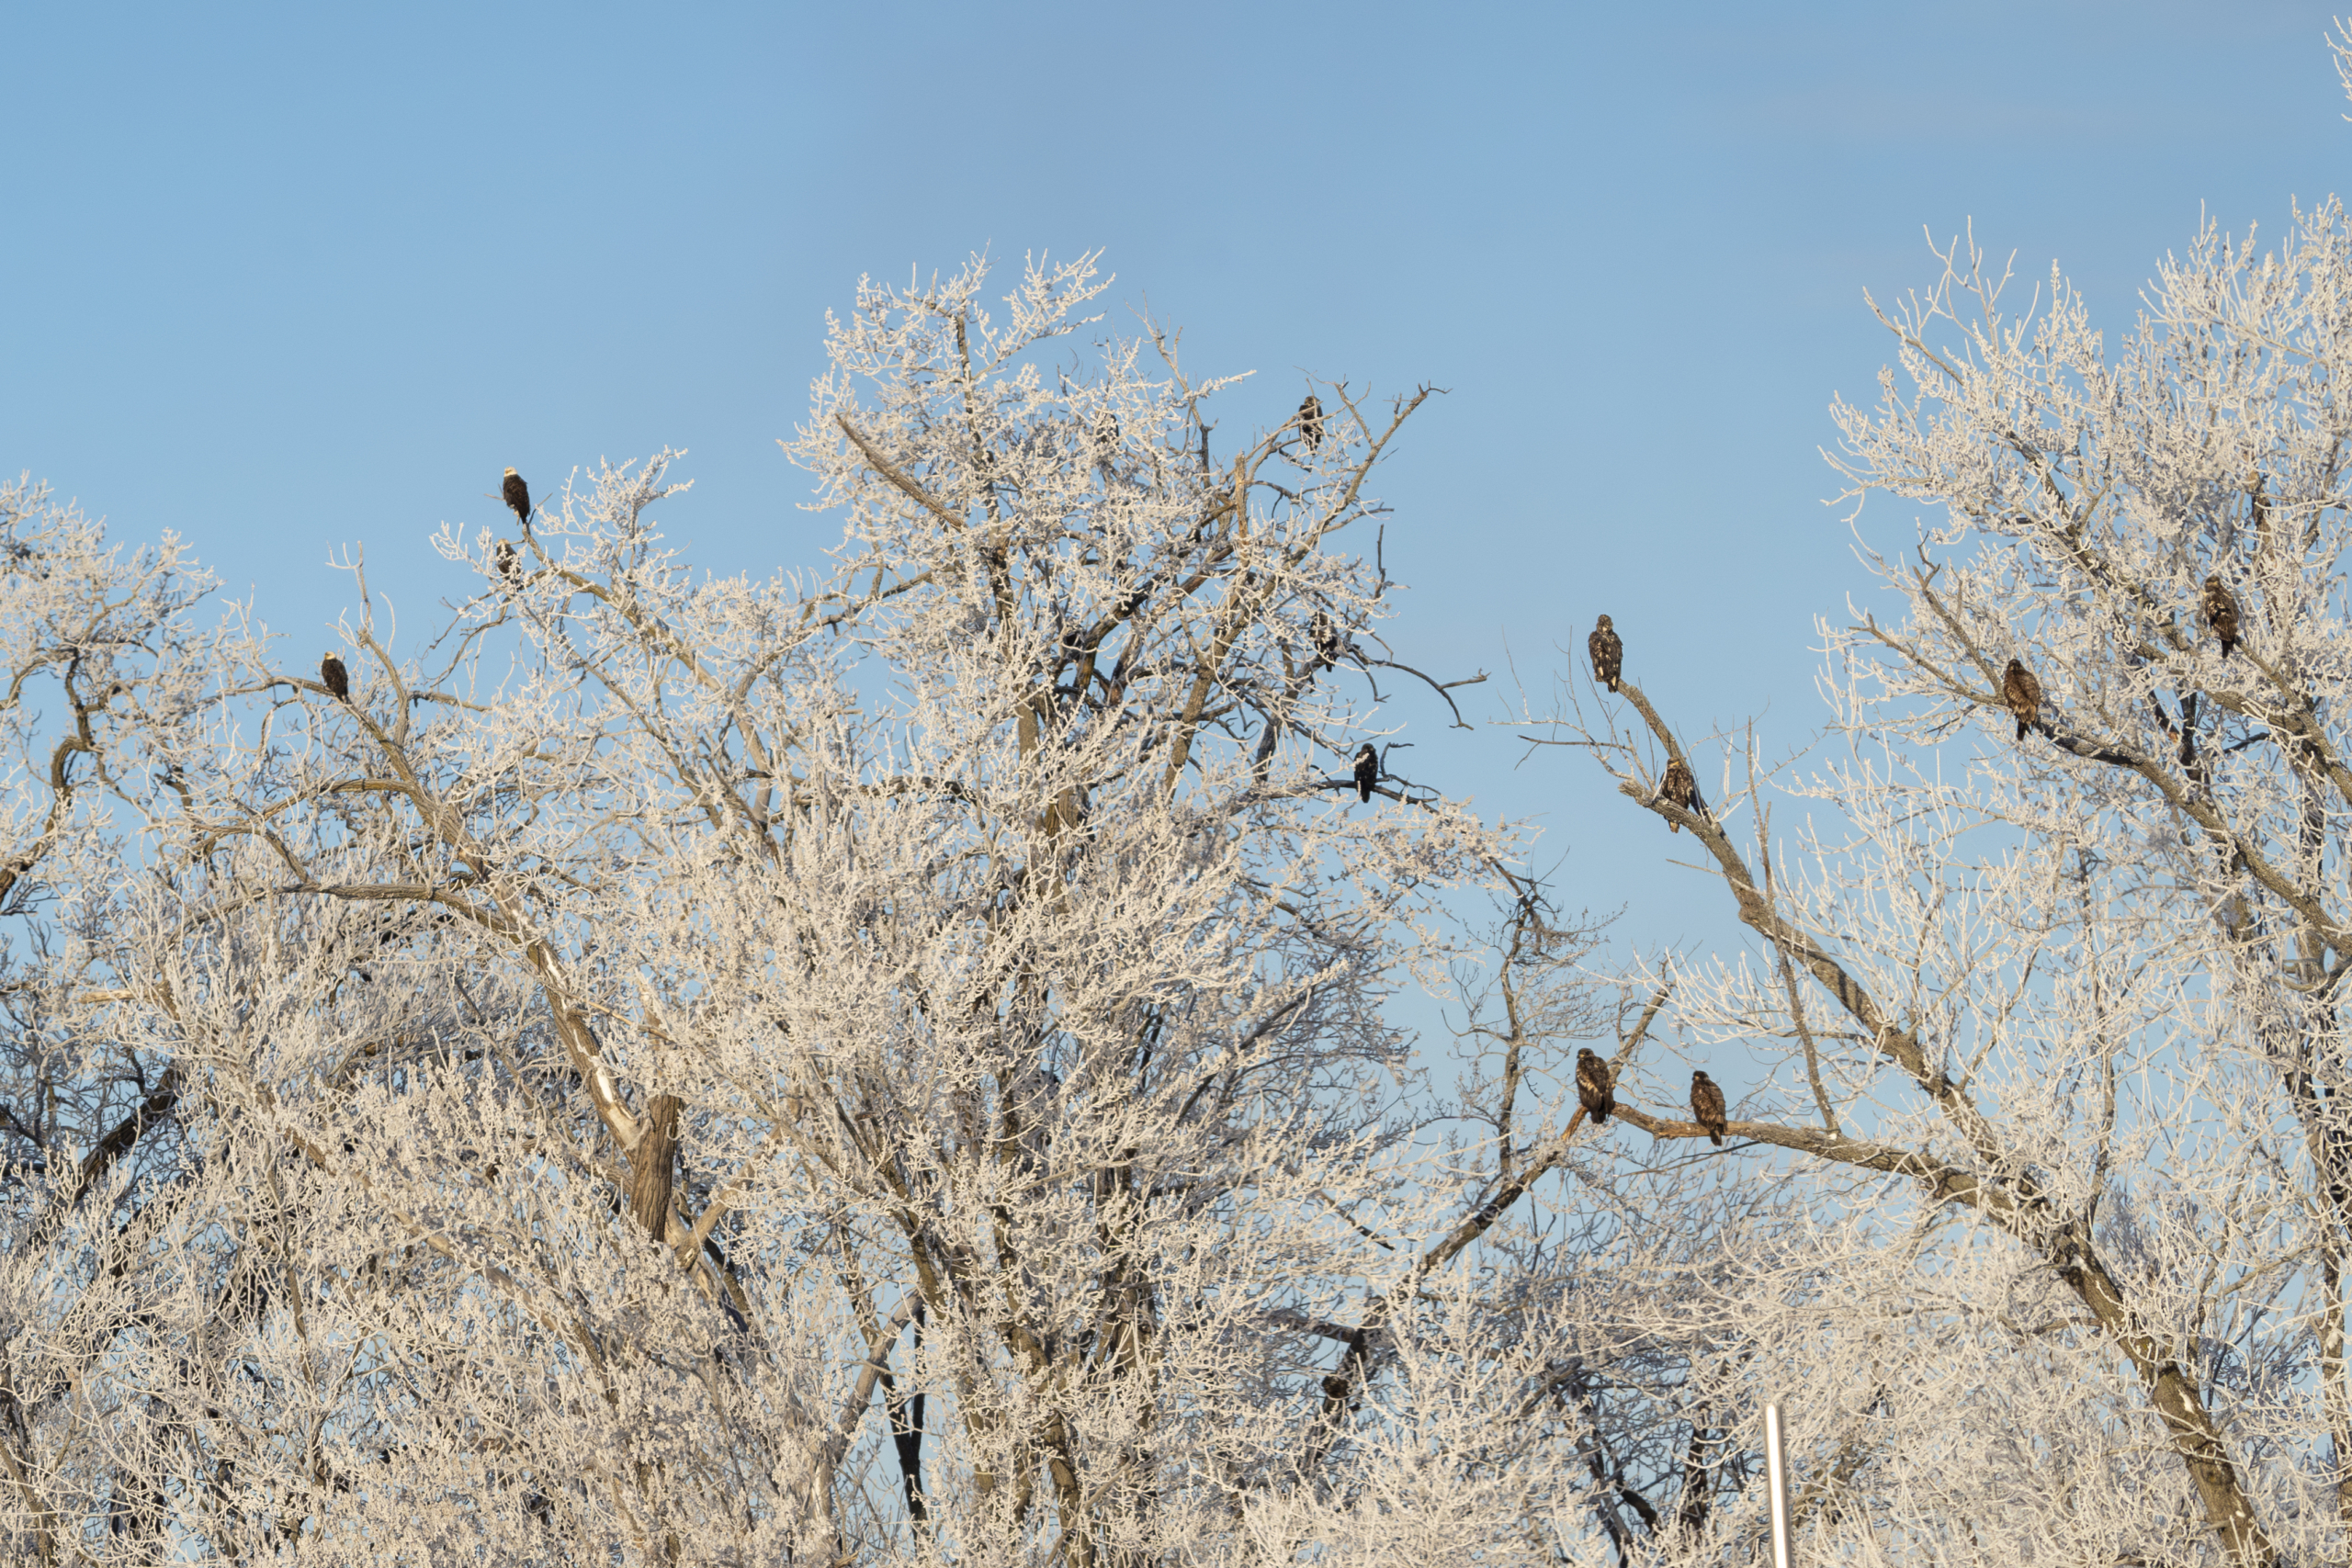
x=1595, y=1088
x=1326, y=637
x=518, y=496
x=1310, y=421
x=507, y=566
x=2221, y=613
x=337, y=679
x=2023, y=693
x=1680, y=788
x=1608, y=650
x=1367, y=771
x=1707, y=1106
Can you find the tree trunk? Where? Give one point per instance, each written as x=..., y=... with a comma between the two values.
x=651, y=1163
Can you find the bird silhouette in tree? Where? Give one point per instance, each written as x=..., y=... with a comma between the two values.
x=1608, y=651
x=1707, y=1106
x=1680, y=788
x=2221, y=613
x=1310, y=421
x=2023, y=693
x=1596, y=1087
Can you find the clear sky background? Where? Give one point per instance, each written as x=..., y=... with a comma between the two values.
x=287, y=280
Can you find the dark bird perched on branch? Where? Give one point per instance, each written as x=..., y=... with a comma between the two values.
x=2198, y=772
x=2023, y=693
x=1707, y=1106
x=1310, y=421
x=1679, y=789
x=2221, y=613
x=518, y=496
x=1326, y=637
x=507, y=566
x=1367, y=771
x=337, y=679
x=1595, y=1087
x=1608, y=651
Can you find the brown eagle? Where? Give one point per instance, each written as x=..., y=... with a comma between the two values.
x=518, y=496
x=337, y=679
x=1310, y=421
x=507, y=566
x=2023, y=693
x=1367, y=771
x=2221, y=613
x=1326, y=637
x=1679, y=789
x=1594, y=1087
x=1608, y=650
x=1707, y=1106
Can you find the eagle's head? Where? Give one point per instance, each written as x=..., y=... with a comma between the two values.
x=1604, y=622
x=510, y=473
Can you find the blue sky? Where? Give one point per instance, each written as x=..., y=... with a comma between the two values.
x=288, y=280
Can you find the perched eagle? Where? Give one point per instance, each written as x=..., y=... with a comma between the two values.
x=1707, y=1106
x=2023, y=693
x=1107, y=434
x=1607, y=652
x=1594, y=1087
x=1310, y=421
x=518, y=496
x=1326, y=637
x=1679, y=789
x=1367, y=771
x=337, y=679
x=507, y=566
x=2221, y=613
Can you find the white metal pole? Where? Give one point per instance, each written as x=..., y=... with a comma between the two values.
x=1776, y=1478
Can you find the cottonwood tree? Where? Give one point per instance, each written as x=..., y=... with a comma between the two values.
x=2052, y=1023
x=887, y=1065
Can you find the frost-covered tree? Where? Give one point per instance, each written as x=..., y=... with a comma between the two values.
x=883, y=1064
x=2046, y=994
